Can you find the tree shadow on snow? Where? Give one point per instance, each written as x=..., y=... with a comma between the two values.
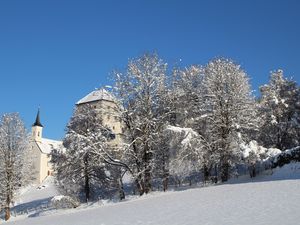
x=32, y=208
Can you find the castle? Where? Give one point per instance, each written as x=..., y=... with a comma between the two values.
x=107, y=108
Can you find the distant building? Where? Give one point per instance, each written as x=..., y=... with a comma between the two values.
x=107, y=108
x=106, y=105
x=41, y=149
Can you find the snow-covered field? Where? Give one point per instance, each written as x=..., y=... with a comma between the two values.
x=266, y=200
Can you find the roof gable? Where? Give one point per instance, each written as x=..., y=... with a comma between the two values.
x=47, y=145
x=97, y=95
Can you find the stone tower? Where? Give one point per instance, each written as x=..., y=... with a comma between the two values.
x=106, y=106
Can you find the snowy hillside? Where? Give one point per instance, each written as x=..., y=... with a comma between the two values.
x=37, y=192
x=269, y=199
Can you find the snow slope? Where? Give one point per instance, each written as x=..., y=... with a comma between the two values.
x=37, y=192
x=34, y=198
x=268, y=200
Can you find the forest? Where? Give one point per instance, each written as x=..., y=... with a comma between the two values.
x=197, y=124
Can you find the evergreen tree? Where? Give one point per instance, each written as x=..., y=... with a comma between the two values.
x=280, y=112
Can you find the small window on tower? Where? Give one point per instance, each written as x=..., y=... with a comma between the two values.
x=112, y=136
x=38, y=134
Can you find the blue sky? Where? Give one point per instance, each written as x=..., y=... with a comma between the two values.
x=54, y=52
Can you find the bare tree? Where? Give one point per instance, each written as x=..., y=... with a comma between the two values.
x=140, y=91
x=231, y=111
x=13, y=150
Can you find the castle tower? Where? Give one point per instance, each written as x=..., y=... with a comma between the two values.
x=37, y=128
x=108, y=110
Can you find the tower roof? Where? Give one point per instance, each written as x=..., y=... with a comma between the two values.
x=37, y=120
x=97, y=95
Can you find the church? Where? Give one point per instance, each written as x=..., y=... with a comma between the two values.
x=41, y=149
x=107, y=108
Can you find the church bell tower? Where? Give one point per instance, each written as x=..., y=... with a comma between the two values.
x=37, y=128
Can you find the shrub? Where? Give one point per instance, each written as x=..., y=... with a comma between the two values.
x=63, y=202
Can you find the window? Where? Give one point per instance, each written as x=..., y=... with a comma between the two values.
x=112, y=136
x=38, y=134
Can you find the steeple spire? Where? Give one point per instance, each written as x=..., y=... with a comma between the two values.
x=37, y=120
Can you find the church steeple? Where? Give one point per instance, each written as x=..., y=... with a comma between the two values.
x=37, y=128
x=37, y=120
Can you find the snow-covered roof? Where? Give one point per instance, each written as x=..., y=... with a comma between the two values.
x=47, y=145
x=97, y=95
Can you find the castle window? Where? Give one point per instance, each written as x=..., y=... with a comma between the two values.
x=38, y=134
x=94, y=107
x=112, y=136
x=113, y=127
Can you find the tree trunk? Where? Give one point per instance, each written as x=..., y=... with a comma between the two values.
x=147, y=173
x=7, y=203
x=139, y=185
x=205, y=173
x=86, y=179
x=121, y=189
x=252, y=170
x=224, y=171
x=147, y=183
x=7, y=213
x=165, y=173
x=165, y=183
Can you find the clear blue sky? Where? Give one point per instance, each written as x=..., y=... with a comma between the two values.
x=54, y=52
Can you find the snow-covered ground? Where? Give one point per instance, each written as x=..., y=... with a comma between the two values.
x=33, y=199
x=37, y=192
x=269, y=199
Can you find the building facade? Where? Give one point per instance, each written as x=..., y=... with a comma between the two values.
x=41, y=149
x=108, y=110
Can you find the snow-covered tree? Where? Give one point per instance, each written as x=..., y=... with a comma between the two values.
x=80, y=166
x=189, y=151
x=256, y=156
x=230, y=110
x=280, y=112
x=187, y=92
x=141, y=90
x=14, y=162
